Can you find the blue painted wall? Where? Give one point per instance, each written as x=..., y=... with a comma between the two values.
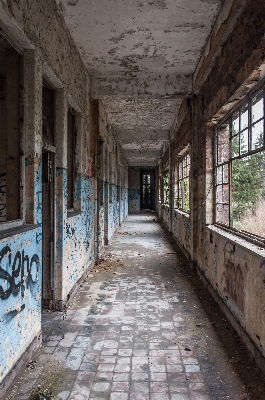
x=75, y=234
x=20, y=285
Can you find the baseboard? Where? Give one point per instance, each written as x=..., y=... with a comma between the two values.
x=20, y=365
x=248, y=342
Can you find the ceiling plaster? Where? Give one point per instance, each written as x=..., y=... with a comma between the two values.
x=141, y=55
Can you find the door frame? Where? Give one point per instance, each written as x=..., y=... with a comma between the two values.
x=152, y=173
x=49, y=302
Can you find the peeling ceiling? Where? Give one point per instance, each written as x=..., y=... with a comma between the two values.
x=141, y=55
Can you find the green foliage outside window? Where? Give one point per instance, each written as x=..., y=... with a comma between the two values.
x=248, y=183
x=240, y=168
x=166, y=188
x=183, y=183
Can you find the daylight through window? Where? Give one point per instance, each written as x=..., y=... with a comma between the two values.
x=240, y=168
x=182, y=183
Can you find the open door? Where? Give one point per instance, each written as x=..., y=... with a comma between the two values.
x=147, y=189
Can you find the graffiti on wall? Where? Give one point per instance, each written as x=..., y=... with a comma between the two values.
x=233, y=278
x=21, y=272
x=2, y=197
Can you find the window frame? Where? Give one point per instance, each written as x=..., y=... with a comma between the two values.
x=166, y=193
x=183, y=156
x=20, y=220
x=72, y=207
x=227, y=120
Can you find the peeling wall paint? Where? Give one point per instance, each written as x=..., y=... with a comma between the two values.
x=20, y=296
x=236, y=271
x=233, y=266
x=21, y=249
x=181, y=229
x=20, y=288
x=78, y=239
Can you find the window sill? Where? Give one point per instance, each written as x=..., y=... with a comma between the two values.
x=11, y=224
x=254, y=248
x=6, y=232
x=73, y=213
x=181, y=212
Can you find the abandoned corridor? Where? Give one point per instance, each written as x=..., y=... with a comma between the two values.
x=142, y=326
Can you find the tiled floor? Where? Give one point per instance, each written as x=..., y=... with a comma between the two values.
x=135, y=331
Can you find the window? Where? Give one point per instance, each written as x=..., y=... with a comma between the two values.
x=110, y=178
x=240, y=168
x=10, y=128
x=182, y=180
x=166, y=188
x=48, y=105
x=71, y=157
x=101, y=166
x=146, y=189
x=160, y=186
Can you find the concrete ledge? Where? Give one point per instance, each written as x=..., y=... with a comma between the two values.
x=250, y=345
x=20, y=365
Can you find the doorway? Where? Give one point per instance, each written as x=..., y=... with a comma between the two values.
x=48, y=195
x=147, y=190
x=47, y=228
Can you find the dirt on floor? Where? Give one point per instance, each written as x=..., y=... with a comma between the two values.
x=233, y=355
x=238, y=356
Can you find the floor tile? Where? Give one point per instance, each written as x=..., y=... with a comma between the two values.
x=131, y=332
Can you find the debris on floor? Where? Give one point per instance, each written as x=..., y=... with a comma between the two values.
x=140, y=328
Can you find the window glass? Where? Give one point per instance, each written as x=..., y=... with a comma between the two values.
x=257, y=135
x=244, y=141
x=257, y=111
x=235, y=146
x=235, y=123
x=244, y=117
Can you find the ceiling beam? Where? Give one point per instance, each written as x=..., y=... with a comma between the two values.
x=142, y=153
x=132, y=135
x=142, y=163
x=158, y=86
